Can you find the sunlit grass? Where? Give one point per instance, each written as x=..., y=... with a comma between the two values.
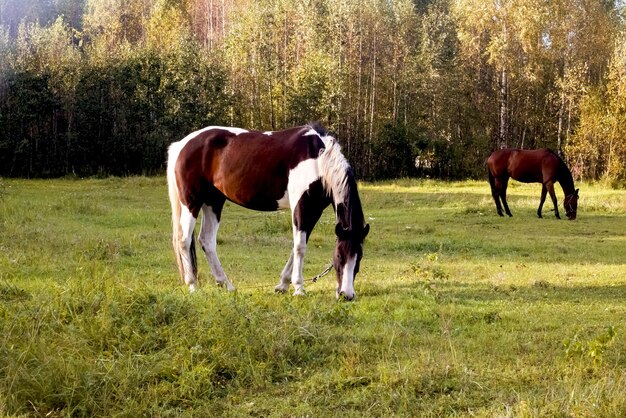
x=458, y=311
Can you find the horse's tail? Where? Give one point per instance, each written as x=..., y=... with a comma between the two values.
x=492, y=180
x=174, y=195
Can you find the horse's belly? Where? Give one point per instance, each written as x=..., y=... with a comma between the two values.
x=260, y=200
x=526, y=176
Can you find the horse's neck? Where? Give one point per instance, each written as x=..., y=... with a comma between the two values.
x=566, y=180
x=352, y=213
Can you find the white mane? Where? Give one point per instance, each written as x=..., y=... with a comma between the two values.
x=334, y=169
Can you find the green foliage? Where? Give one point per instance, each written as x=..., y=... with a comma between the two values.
x=313, y=90
x=90, y=116
x=112, y=82
x=395, y=150
x=598, y=149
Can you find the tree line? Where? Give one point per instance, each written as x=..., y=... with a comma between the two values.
x=423, y=87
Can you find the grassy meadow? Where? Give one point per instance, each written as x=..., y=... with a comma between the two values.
x=458, y=312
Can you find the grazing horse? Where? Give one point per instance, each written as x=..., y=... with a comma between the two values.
x=300, y=168
x=532, y=166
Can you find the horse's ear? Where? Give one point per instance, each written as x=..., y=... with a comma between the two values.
x=321, y=151
x=576, y=192
x=341, y=232
x=366, y=230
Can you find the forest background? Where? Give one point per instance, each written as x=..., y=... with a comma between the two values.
x=423, y=87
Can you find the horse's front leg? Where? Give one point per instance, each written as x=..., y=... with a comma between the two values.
x=550, y=187
x=285, y=276
x=544, y=191
x=299, y=249
x=307, y=207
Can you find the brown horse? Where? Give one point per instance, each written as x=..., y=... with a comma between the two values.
x=532, y=166
x=300, y=168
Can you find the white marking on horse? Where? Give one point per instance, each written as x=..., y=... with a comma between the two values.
x=300, y=178
x=299, y=249
x=176, y=147
x=347, y=281
x=236, y=131
x=299, y=181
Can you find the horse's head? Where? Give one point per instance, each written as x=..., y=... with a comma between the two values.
x=347, y=258
x=571, y=205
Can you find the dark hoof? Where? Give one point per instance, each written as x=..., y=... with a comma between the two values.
x=280, y=289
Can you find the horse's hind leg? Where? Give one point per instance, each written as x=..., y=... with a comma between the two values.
x=495, y=193
x=544, y=191
x=187, y=250
x=208, y=240
x=503, y=187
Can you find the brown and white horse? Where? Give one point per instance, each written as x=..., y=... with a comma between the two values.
x=300, y=168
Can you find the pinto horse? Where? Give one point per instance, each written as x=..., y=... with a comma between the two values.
x=300, y=168
x=532, y=166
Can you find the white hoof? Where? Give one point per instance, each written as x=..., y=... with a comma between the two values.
x=299, y=292
x=192, y=288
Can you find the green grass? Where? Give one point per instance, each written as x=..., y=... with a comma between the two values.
x=458, y=313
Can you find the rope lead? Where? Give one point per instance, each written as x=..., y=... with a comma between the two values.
x=324, y=273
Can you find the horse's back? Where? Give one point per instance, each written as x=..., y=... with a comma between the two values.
x=250, y=168
x=527, y=166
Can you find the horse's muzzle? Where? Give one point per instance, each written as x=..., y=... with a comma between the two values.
x=345, y=296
